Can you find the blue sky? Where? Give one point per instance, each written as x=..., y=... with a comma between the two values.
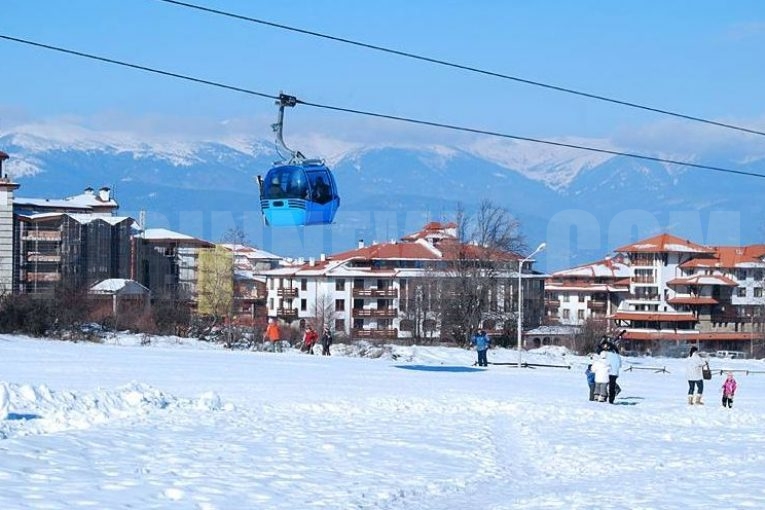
x=697, y=57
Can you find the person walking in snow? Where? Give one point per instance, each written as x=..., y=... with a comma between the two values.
x=309, y=339
x=601, y=368
x=590, y=381
x=615, y=365
x=326, y=341
x=481, y=342
x=729, y=390
x=693, y=367
x=273, y=335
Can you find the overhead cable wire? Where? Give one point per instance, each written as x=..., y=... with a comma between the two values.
x=409, y=120
x=464, y=67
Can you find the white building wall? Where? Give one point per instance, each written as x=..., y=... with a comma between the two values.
x=6, y=235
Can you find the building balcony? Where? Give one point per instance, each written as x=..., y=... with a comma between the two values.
x=376, y=312
x=287, y=313
x=597, y=305
x=642, y=297
x=374, y=333
x=643, y=279
x=43, y=277
x=41, y=236
x=287, y=293
x=375, y=293
x=39, y=257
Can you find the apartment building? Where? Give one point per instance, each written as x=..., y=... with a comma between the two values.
x=590, y=291
x=391, y=290
x=667, y=292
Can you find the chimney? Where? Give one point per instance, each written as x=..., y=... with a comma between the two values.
x=3, y=157
x=104, y=195
x=88, y=190
x=311, y=261
x=361, y=243
x=323, y=257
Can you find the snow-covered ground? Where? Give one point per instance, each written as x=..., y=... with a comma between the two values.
x=182, y=424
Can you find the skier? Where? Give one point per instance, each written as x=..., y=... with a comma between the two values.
x=481, y=342
x=729, y=389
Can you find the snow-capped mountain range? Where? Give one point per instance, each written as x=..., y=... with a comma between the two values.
x=583, y=204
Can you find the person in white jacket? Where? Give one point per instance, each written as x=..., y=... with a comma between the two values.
x=601, y=368
x=615, y=364
x=693, y=367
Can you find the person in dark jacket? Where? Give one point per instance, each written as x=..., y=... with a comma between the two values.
x=590, y=381
x=481, y=342
x=326, y=341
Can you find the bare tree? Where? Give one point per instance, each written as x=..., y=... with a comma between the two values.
x=480, y=267
x=323, y=311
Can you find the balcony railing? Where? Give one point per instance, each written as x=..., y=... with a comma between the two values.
x=374, y=312
x=37, y=257
x=644, y=279
x=43, y=277
x=287, y=293
x=376, y=293
x=287, y=312
x=42, y=235
x=374, y=333
x=597, y=305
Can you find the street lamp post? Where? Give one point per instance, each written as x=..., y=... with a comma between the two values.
x=520, y=298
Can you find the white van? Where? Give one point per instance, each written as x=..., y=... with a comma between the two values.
x=731, y=354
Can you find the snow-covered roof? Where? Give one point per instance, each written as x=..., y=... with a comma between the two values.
x=86, y=200
x=250, y=252
x=166, y=235
x=119, y=286
x=83, y=218
x=606, y=268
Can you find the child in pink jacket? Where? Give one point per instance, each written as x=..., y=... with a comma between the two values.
x=728, y=389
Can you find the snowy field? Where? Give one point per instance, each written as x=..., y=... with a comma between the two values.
x=185, y=425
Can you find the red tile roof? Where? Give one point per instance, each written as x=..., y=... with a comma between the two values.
x=664, y=243
x=654, y=316
x=687, y=300
x=414, y=251
x=703, y=279
x=729, y=257
x=691, y=336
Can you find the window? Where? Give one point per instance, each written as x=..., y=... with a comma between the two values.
x=339, y=305
x=741, y=292
x=303, y=305
x=566, y=313
x=581, y=298
x=758, y=292
x=358, y=283
x=580, y=314
x=304, y=284
x=340, y=284
x=271, y=304
x=339, y=325
x=564, y=298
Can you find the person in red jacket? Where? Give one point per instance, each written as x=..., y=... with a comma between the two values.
x=309, y=339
